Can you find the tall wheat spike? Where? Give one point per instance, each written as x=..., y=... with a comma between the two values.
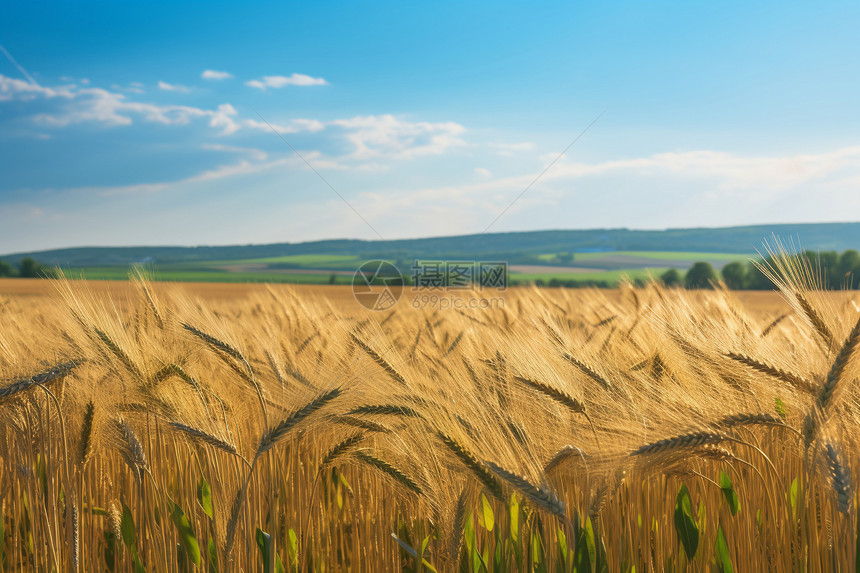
x=85, y=448
x=54, y=373
x=588, y=371
x=390, y=470
x=279, y=431
x=841, y=479
x=384, y=364
x=834, y=377
x=477, y=467
x=794, y=380
x=542, y=497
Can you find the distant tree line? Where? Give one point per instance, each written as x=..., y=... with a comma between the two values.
x=836, y=271
x=571, y=283
x=28, y=268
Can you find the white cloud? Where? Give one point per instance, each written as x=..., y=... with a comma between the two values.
x=371, y=139
x=215, y=75
x=760, y=176
x=85, y=81
x=223, y=118
x=243, y=167
x=697, y=188
x=295, y=126
x=376, y=136
x=257, y=154
x=482, y=172
x=281, y=81
x=70, y=105
x=172, y=87
x=11, y=88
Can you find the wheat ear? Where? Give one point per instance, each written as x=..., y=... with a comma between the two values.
x=834, y=377
x=794, y=380
x=769, y=328
x=477, y=467
x=588, y=370
x=384, y=364
x=131, y=450
x=682, y=442
x=815, y=319
x=841, y=479
x=542, y=497
x=390, y=470
x=385, y=409
x=119, y=353
x=198, y=435
x=369, y=425
x=55, y=372
x=565, y=453
x=340, y=449
x=569, y=402
x=86, y=443
x=279, y=432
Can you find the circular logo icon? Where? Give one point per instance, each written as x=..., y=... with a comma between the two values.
x=377, y=285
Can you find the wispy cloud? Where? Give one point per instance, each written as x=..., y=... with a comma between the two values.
x=257, y=154
x=257, y=164
x=173, y=87
x=282, y=81
x=215, y=75
x=375, y=136
x=510, y=149
x=371, y=139
x=731, y=172
x=295, y=126
x=70, y=105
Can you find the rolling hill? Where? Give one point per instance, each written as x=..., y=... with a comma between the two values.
x=514, y=246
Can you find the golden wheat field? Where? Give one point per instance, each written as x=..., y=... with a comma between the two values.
x=157, y=427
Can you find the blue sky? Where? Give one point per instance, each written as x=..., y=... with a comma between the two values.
x=146, y=123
